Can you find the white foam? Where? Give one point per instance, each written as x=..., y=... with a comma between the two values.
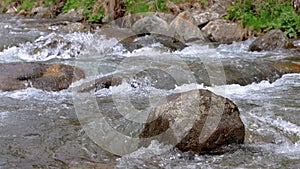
x=144, y=51
x=62, y=46
x=33, y=93
x=4, y=115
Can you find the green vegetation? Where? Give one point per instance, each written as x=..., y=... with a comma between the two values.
x=256, y=15
x=4, y=4
x=139, y=6
x=91, y=10
x=24, y=4
x=27, y=5
x=263, y=15
x=48, y=2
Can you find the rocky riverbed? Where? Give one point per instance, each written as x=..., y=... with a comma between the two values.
x=120, y=75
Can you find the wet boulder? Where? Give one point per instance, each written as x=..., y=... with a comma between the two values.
x=147, y=77
x=243, y=71
x=288, y=67
x=232, y=71
x=21, y=75
x=135, y=42
x=272, y=40
x=223, y=31
x=198, y=121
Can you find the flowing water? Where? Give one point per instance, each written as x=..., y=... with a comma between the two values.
x=40, y=129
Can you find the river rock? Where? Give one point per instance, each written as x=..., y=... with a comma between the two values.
x=21, y=75
x=11, y=10
x=232, y=71
x=272, y=40
x=74, y=15
x=198, y=121
x=150, y=24
x=223, y=3
x=216, y=11
x=296, y=4
x=202, y=18
x=126, y=21
x=134, y=42
x=40, y=12
x=165, y=16
x=183, y=27
x=223, y=31
x=243, y=71
x=153, y=77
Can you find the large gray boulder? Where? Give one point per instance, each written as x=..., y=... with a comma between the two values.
x=272, y=40
x=198, y=121
x=184, y=28
x=223, y=31
x=150, y=24
x=21, y=75
x=135, y=42
x=203, y=18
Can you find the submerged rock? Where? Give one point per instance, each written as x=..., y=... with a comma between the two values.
x=273, y=40
x=197, y=121
x=21, y=75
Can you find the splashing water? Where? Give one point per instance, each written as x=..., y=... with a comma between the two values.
x=39, y=128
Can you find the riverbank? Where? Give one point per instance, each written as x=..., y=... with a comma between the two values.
x=232, y=20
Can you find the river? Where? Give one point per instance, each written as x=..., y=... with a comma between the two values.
x=40, y=129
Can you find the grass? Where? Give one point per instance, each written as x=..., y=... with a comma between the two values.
x=142, y=6
x=87, y=6
x=95, y=13
x=24, y=4
x=264, y=15
x=27, y=5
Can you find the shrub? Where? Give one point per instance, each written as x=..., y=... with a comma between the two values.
x=264, y=15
